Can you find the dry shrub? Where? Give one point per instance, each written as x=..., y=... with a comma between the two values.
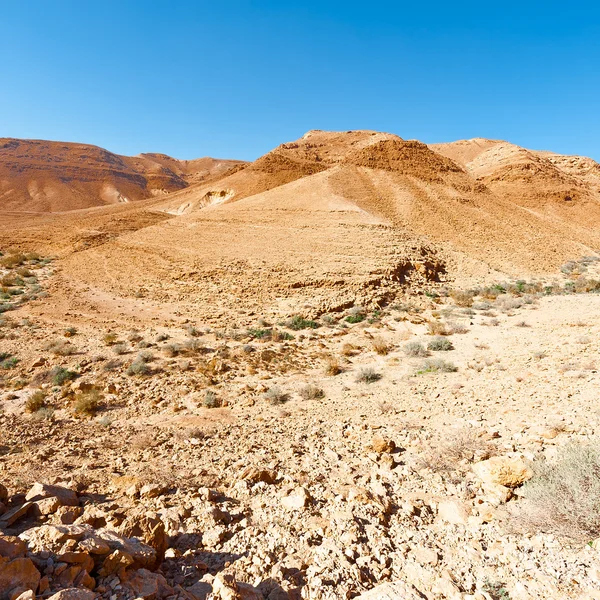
x=61, y=348
x=349, y=349
x=462, y=298
x=438, y=328
x=311, y=392
x=36, y=401
x=437, y=365
x=368, y=375
x=416, y=349
x=455, y=327
x=456, y=447
x=276, y=395
x=563, y=497
x=87, y=403
x=144, y=440
x=332, y=366
x=380, y=346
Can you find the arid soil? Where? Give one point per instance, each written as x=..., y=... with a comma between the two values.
x=359, y=367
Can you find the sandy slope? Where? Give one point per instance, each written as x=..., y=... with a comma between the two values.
x=41, y=176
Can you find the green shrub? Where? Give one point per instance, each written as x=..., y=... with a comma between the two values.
x=297, y=323
x=60, y=375
x=9, y=363
x=211, y=400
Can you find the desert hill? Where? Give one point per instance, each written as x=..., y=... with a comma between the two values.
x=329, y=220
x=42, y=176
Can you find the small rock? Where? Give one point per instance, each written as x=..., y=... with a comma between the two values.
x=381, y=444
x=297, y=499
x=394, y=590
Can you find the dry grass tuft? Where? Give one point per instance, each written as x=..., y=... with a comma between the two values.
x=332, y=366
x=380, y=346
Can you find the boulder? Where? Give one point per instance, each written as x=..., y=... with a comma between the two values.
x=12, y=547
x=394, y=590
x=39, y=491
x=502, y=470
x=13, y=515
x=18, y=575
x=148, y=585
x=74, y=594
x=52, y=537
x=143, y=556
x=3, y=493
x=151, y=530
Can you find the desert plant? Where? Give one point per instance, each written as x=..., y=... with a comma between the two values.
x=563, y=496
x=438, y=328
x=462, y=298
x=35, y=401
x=162, y=337
x=454, y=447
x=311, y=392
x=368, y=375
x=297, y=323
x=9, y=363
x=61, y=348
x=260, y=334
x=440, y=344
x=45, y=413
x=437, y=365
x=356, y=318
x=380, y=346
x=172, y=350
x=332, y=366
x=112, y=365
x=87, y=403
x=276, y=395
x=110, y=338
x=138, y=367
x=211, y=400
x=60, y=375
x=120, y=348
x=415, y=349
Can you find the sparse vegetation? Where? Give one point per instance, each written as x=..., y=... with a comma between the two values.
x=311, y=392
x=297, y=323
x=35, y=402
x=60, y=375
x=440, y=344
x=415, y=349
x=563, y=497
x=275, y=395
x=437, y=365
x=211, y=400
x=368, y=375
x=61, y=348
x=87, y=403
x=332, y=366
x=380, y=346
x=110, y=338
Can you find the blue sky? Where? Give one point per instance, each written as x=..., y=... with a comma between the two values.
x=234, y=79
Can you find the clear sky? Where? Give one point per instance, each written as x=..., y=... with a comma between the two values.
x=234, y=79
